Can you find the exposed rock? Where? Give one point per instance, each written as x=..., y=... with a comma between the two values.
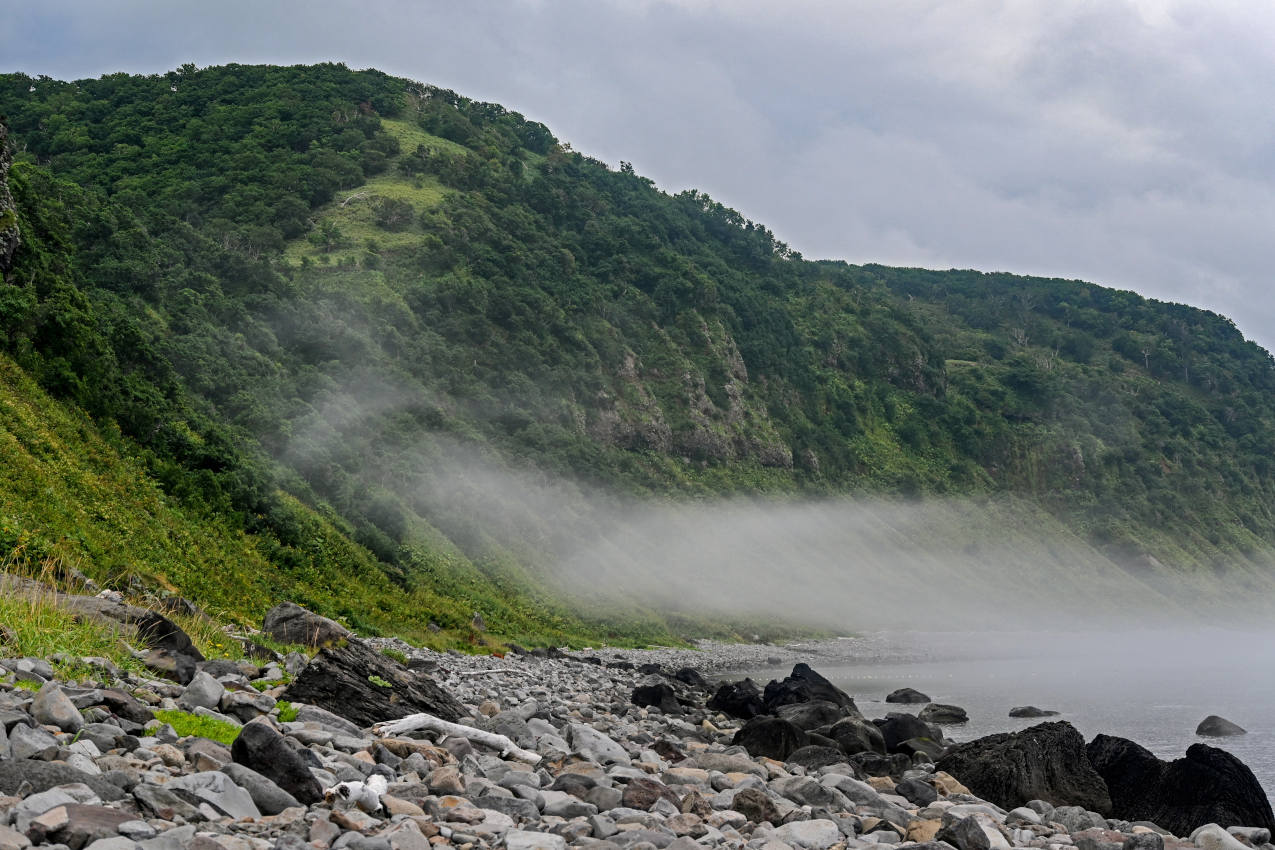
x=290, y=623
x=755, y=805
x=365, y=687
x=217, y=790
x=907, y=696
x=897, y=727
x=943, y=714
x=805, y=685
x=658, y=694
x=738, y=699
x=771, y=737
x=263, y=750
x=1218, y=727
x=1031, y=711
x=1044, y=762
x=265, y=793
x=808, y=716
x=52, y=707
x=856, y=735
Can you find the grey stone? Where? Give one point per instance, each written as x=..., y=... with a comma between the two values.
x=809, y=834
x=52, y=707
x=1218, y=727
x=219, y=791
x=268, y=797
x=290, y=623
x=29, y=742
x=1144, y=841
x=520, y=839
x=595, y=746
x=164, y=804
x=204, y=691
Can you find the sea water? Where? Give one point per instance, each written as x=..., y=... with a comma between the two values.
x=1150, y=686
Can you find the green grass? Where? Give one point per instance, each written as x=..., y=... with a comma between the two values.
x=409, y=136
x=287, y=711
x=186, y=724
x=390, y=652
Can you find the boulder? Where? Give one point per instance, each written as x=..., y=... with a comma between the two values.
x=1031, y=711
x=290, y=623
x=811, y=715
x=692, y=677
x=738, y=699
x=1044, y=762
x=814, y=756
x=43, y=775
x=52, y=707
x=917, y=792
x=937, y=712
x=805, y=685
x=855, y=735
x=660, y=695
x=263, y=750
x=909, y=696
x=265, y=793
x=217, y=790
x=771, y=737
x=897, y=727
x=1208, y=785
x=1218, y=727
x=363, y=686
x=754, y=804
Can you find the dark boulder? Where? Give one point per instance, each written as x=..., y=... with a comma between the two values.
x=814, y=756
x=805, y=685
x=43, y=775
x=1031, y=711
x=738, y=699
x=260, y=748
x=907, y=696
x=811, y=715
x=897, y=727
x=692, y=677
x=659, y=695
x=290, y=623
x=855, y=735
x=875, y=764
x=753, y=804
x=159, y=632
x=1044, y=762
x=358, y=683
x=931, y=749
x=770, y=737
x=937, y=712
x=1208, y=785
x=917, y=792
x=1218, y=727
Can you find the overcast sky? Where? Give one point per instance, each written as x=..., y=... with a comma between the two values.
x=1126, y=142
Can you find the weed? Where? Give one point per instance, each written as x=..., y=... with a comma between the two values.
x=185, y=723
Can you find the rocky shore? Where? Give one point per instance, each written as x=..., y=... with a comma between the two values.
x=614, y=749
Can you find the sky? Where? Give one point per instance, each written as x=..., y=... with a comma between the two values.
x=1130, y=143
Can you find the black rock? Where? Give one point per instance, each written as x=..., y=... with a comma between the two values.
x=1208, y=785
x=928, y=747
x=908, y=696
x=159, y=632
x=1031, y=711
x=1218, y=727
x=937, y=712
x=805, y=685
x=650, y=670
x=897, y=727
x=738, y=699
x=811, y=715
x=813, y=756
x=770, y=737
x=265, y=793
x=875, y=764
x=856, y=735
x=365, y=687
x=916, y=791
x=692, y=677
x=264, y=750
x=659, y=695
x=1044, y=762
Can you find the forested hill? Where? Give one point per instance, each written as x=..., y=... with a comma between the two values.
x=297, y=294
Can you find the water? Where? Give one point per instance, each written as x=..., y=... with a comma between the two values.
x=1152, y=687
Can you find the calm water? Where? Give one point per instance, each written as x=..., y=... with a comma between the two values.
x=1150, y=687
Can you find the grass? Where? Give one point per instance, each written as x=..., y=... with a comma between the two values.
x=287, y=711
x=186, y=724
x=41, y=629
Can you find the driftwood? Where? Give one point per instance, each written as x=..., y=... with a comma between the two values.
x=415, y=722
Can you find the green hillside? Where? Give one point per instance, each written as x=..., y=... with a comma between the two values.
x=343, y=318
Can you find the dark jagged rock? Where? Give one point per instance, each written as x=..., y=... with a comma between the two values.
x=290, y=623
x=358, y=683
x=1045, y=762
x=916, y=791
x=805, y=685
x=907, y=696
x=1219, y=727
x=875, y=764
x=811, y=715
x=856, y=735
x=738, y=699
x=159, y=632
x=897, y=727
x=262, y=749
x=1031, y=711
x=770, y=737
x=937, y=712
x=1208, y=785
x=659, y=695
x=692, y=677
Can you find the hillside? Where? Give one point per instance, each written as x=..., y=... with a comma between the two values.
x=311, y=298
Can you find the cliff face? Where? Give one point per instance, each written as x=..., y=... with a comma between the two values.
x=8, y=215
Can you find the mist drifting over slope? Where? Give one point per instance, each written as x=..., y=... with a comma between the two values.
x=837, y=564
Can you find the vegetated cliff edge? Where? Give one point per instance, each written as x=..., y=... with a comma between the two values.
x=303, y=291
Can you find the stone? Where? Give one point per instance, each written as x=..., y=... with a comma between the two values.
x=79, y=824
x=974, y=832
x=943, y=714
x=814, y=756
x=365, y=687
x=643, y=793
x=11, y=839
x=755, y=805
x=741, y=700
x=897, y=727
x=916, y=792
x=809, y=716
x=1031, y=711
x=30, y=742
x=805, y=685
x=1043, y=762
x=1218, y=727
x=771, y=737
x=52, y=707
x=204, y=691
x=595, y=746
x=1143, y=841
x=817, y=834
x=856, y=735
x=265, y=793
x=217, y=790
x=39, y=776
x=1213, y=837
x=907, y=696
x=521, y=839
x=1208, y=785
x=170, y=665
x=658, y=694
x=290, y=623
x=263, y=750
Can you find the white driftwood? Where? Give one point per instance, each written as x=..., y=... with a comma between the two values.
x=414, y=722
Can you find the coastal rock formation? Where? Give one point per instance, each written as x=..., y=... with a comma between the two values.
x=1031, y=711
x=907, y=696
x=947, y=714
x=738, y=699
x=1219, y=727
x=1207, y=785
x=805, y=685
x=1045, y=762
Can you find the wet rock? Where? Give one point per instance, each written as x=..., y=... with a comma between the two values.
x=1044, y=762
x=808, y=716
x=856, y=735
x=770, y=737
x=805, y=685
x=1218, y=727
x=943, y=714
x=907, y=696
x=658, y=694
x=738, y=699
